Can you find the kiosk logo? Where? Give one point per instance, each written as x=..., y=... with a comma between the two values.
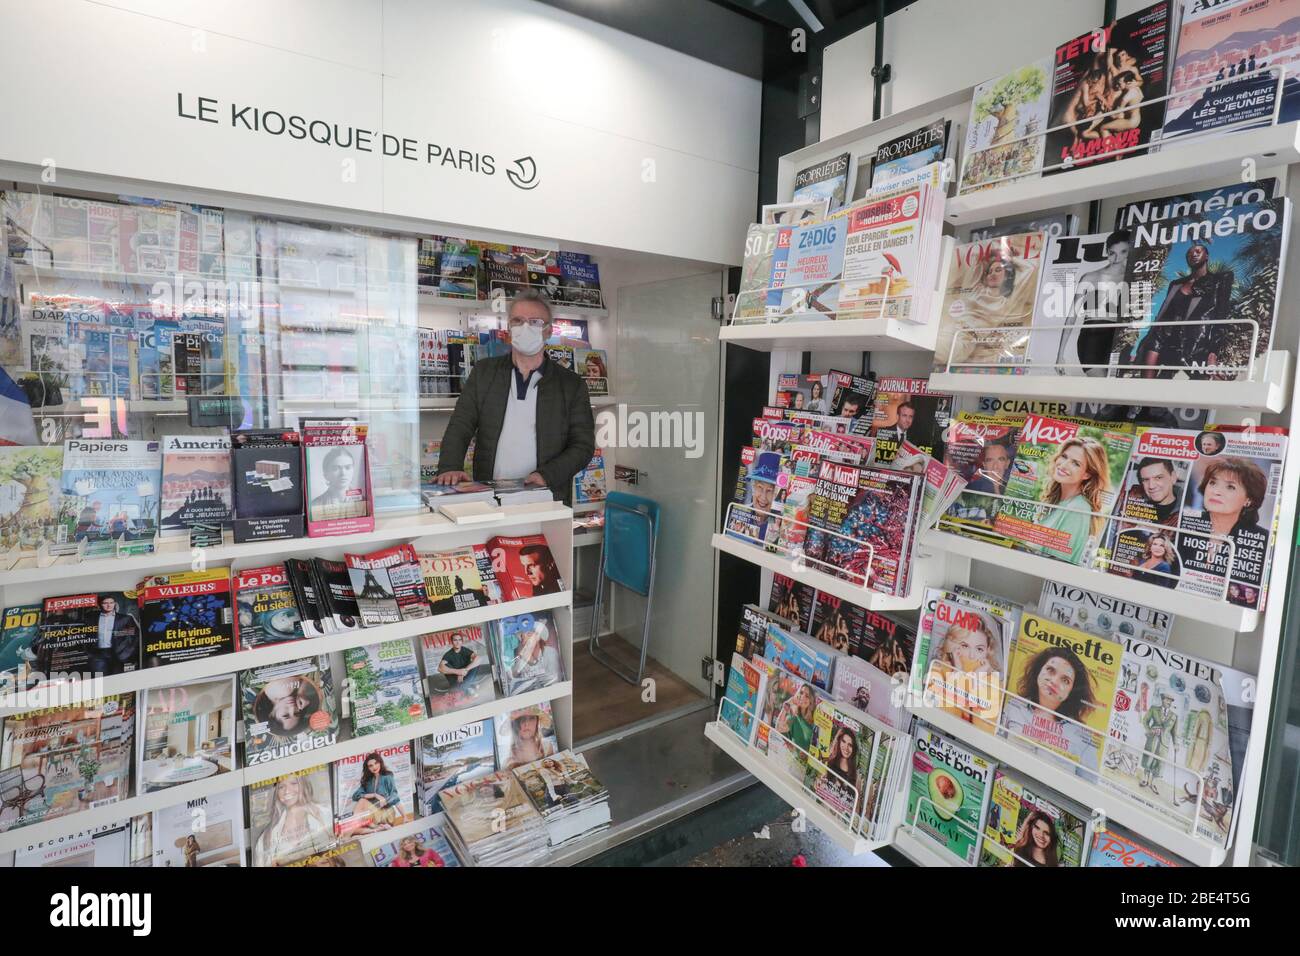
x=524, y=174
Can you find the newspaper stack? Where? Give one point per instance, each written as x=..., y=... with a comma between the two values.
x=571, y=801
x=492, y=822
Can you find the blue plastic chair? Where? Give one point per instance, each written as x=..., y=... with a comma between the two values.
x=627, y=557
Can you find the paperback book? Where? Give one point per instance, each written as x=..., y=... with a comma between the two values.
x=383, y=686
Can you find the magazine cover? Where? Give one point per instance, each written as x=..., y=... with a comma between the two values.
x=812, y=269
x=1119, y=848
x=806, y=659
x=1203, y=293
x=869, y=689
x=589, y=483
x=579, y=280
x=788, y=729
x=82, y=752
x=70, y=639
x=593, y=366
x=1051, y=225
x=948, y=795
x=110, y=492
x=746, y=683
x=875, y=507
x=562, y=786
x=1169, y=739
x=904, y=154
x=428, y=848
x=886, y=644
x=981, y=448
x=459, y=668
x=1215, y=492
x=339, y=497
x=383, y=686
x=907, y=411
x=266, y=481
x=1062, y=484
x=450, y=757
x=288, y=709
x=988, y=305
x=186, y=616
x=1082, y=285
x=489, y=807
x=1225, y=70
x=1157, y=209
x=805, y=393
x=21, y=630
x=195, y=482
x=792, y=213
x=751, y=635
x=1004, y=134
x=108, y=844
x=827, y=180
x=187, y=733
x=1027, y=826
x=1060, y=689
x=334, y=587
x=792, y=601
x=1103, y=615
x=373, y=791
x=1107, y=91
x=388, y=585
x=528, y=652
x=525, y=735
x=840, y=624
x=839, y=773
x=966, y=665
x=452, y=580
x=756, y=274
x=29, y=495
x=205, y=831
x=291, y=816
x=265, y=609
x=344, y=855
x=315, y=619
x=524, y=567
x=459, y=270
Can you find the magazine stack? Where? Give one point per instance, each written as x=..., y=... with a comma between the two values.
x=571, y=801
x=493, y=822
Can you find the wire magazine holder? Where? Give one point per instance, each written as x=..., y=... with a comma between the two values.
x=869, y=823
x=1157, y=141
x=802, y=308
x=1113, y=526
x=737, y=527
x=1022, y=336
x=1118, y=757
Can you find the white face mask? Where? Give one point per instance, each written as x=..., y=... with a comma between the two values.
x=526, y=340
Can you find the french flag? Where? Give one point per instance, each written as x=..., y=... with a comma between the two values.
x=17, y=427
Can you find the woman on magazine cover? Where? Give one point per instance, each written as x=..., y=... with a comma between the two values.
x=1078, y=478
x=1001, y=297
x=286, y=705
x=376, y=798
x=1232, y=491
x=299, y=825
x=527, y=743
x=1096, y=303
x=412, y=852
x=971, y=647
x=1159, y=562
x=842, y=762
x=1036, y=842
x=794, y=721
x=1053, y=699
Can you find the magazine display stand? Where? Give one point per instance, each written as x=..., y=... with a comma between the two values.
x=29, y=583
x=1243, y=638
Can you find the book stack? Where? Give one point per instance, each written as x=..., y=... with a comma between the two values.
x=571, y=801
x=493, y=823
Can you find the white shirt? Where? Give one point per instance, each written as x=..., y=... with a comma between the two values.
x=106, y=630
x=517, y=447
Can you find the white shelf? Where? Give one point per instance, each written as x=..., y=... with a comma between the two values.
x=788, y=790
x=920, y=852
x=172, y=555
x=586, y=506
x=586, y=539
x=220, y=664
x=173, y=796
x=388, y=738
x=1180, y=162
x=1114, y=804
x=1271, y=392
x=1215, y=613
x=847, y=590
x=834, y=335
x=600, y=401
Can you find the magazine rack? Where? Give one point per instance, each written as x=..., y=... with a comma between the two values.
x=1175, y=831
x=732, y=526
x=500, y=291
x=918, y=841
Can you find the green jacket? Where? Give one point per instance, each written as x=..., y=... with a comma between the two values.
x=566, y=429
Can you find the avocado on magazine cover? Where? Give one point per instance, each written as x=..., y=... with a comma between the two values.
x=948, y=795
x=1061, y=690
x=289, y=709
x=187, y=733
x=1004, y=134
x=458, y=668
x=291, y=817
x=1028, y=826
x=383, y=683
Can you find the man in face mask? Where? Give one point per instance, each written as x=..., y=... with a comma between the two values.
x=529, y=417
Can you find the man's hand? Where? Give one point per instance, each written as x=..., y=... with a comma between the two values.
x=535, y=480
x=451, y=478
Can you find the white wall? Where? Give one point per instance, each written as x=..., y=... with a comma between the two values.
x=937, y=46
x=628, y=137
